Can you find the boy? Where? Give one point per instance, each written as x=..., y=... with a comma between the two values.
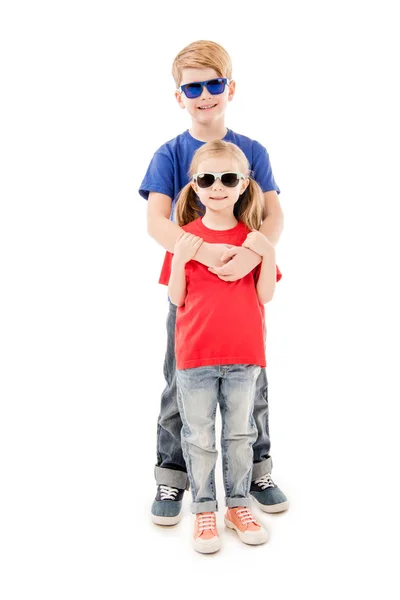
x=202, y=73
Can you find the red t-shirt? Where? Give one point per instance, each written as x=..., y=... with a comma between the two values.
x=221, y=322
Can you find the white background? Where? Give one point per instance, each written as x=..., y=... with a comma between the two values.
x=87, y=97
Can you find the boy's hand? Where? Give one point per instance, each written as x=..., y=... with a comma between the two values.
x=258, y=243
x=242, y=262
x=186, y=247
x=210, y=254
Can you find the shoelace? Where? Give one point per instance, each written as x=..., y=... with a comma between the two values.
x=168, y=493
x=246, y=516
x=265, y=481
x=206, y=522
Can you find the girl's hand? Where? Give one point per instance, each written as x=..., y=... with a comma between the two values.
x=258, y=243
x=186, y=247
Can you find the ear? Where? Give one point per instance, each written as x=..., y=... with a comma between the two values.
x=245, y=185
x=193, y=185
x=178, y=97
x=232, y=89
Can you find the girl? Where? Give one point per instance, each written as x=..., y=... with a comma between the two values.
x=219, y=341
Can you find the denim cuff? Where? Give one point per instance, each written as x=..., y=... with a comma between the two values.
x=234, y=502
x=262, y=468
x=177, y=479
x=200, y=507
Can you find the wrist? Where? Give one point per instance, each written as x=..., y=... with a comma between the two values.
x=178, y=261
x=268, y=254
x=203, y=254
x=255, y=256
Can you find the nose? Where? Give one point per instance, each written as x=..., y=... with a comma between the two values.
x=218, y=185
x=205, y=93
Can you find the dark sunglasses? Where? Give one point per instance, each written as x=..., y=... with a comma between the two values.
x=228, y=179
x=195, y=89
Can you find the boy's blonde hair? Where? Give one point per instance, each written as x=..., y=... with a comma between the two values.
x=202, y=55
x=249, y=207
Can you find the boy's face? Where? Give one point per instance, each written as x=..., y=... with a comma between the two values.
x=208, y=107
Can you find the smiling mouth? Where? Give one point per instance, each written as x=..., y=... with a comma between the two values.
x=207, y=107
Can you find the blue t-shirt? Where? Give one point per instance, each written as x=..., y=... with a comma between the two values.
x=168, y=170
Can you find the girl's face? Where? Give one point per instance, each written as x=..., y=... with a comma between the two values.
x=219, y=197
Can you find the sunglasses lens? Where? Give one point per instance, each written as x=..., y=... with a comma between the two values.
x=195, y=89
x=216, y=86
x=230, y=179
x=192, y=90
x=205, y=180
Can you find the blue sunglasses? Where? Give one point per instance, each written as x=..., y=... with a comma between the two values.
x=195, y=89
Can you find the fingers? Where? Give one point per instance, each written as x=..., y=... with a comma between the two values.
x=250, y=237
x=224, y=270
x=249, y=244
x=196, y=245
x=228, y=254
x=190, y=238
x=214, y=270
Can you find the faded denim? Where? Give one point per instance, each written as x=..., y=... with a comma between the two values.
x=200, y=390
x=171, y=468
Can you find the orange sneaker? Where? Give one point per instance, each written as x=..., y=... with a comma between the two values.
x=243, y=522
x=205, y=538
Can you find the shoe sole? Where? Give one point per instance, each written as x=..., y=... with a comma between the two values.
x=207, y=547
x=272, y=508
x=255, y=540
x=165, y=520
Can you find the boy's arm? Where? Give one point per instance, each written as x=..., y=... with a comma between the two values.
x=159, y=226
x=166, y=232
x=272, y=225
x=243, y=260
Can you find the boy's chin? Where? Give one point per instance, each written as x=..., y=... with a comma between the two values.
x=208, y=117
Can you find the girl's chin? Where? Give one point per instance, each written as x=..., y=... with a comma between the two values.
x=217, y=206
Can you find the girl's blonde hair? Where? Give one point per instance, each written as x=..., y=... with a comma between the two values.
x=249, y=207
x=202, y=55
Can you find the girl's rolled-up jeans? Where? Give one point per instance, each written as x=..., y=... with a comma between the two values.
x=199, y=391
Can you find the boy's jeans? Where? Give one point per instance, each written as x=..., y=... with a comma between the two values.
x=199, y=391
x=171, y=468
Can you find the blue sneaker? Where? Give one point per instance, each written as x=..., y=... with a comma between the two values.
x=166, y=509
x=268, y=496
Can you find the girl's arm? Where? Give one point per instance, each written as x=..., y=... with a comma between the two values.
x=259, y=244
x=166, y=232
x=185, y=250
x=177, y=282
x=267, y=279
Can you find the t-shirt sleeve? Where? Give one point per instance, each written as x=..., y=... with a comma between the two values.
x=262, y=170
x=159, y=176
x=166, y=269
x=257, y=272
